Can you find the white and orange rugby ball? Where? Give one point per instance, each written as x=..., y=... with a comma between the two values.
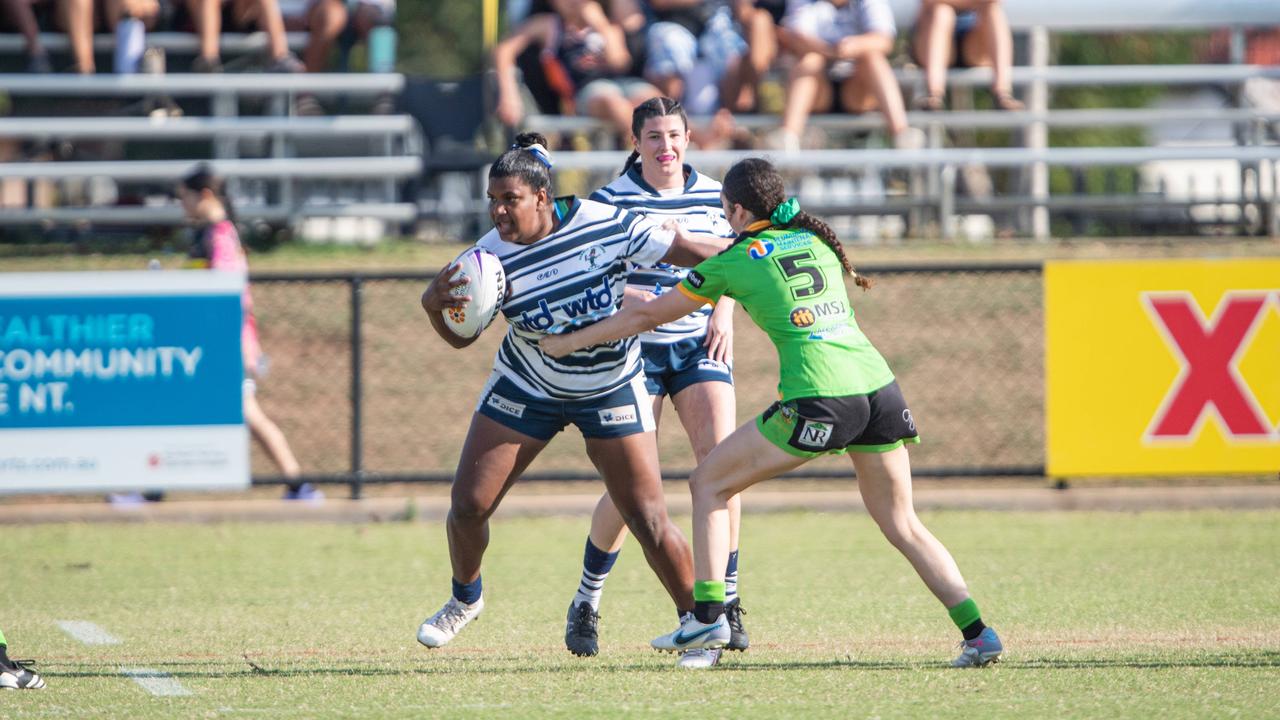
x=487, y=286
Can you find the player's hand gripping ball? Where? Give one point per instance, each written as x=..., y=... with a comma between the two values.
x=486, y=285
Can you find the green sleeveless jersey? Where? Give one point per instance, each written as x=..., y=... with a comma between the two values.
x=791, y=284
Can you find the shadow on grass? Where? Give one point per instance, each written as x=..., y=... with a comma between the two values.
x=506, y=665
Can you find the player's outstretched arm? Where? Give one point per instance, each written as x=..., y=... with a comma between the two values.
x=437, y=297
x=688, y=249
x=631, y=320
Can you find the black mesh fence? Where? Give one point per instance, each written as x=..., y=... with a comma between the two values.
x=366, y=392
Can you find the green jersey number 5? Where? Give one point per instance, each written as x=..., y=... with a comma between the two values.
x=804, y=280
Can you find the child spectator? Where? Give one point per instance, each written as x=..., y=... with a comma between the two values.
x=694, y=48
x=209, y=17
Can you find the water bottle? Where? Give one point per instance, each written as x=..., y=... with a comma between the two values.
x=382, y=49
x=131, y=41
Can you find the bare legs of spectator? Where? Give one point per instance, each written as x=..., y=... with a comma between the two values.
x=76, y=19
x=207, y=16
x=269, y=434
x=19, y=15
x=145, y=10
x=989, y=44
x=616, y=109
x=325, y=22
x=807, y=91
x=873, y=86
x=740, y=90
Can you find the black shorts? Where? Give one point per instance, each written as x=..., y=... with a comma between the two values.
x=879, y=421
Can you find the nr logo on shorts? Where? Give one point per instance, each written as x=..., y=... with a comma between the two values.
x=709, y=364
x=621, y=415
x=501, y=404
x=814, y=433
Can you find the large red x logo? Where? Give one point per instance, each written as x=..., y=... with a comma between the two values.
x=1208, y=351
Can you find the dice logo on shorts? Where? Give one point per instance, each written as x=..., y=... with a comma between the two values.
x=814, y=434
x=621, y=415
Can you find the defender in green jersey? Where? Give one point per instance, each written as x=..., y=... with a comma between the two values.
x=838, y=395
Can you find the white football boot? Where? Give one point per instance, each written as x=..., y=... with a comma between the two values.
x=692, y=635
x=437, y=630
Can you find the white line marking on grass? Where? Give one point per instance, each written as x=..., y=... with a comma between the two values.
x=87, y=632
x=154, y=681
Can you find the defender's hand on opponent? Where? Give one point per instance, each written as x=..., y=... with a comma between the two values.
x=558, y=346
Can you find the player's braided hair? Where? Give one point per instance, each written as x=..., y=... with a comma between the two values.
x=755, y=184
x=528, y=159
x=652, y=108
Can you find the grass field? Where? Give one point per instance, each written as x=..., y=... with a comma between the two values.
x=1146, y=615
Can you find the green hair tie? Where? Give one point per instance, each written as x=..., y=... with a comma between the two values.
x=785, y=211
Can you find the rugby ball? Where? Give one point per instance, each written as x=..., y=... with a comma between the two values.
x=487, y=286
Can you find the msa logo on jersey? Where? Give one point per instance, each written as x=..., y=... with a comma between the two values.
x=621, y=415
x=591, y=299
x=759, y=249
x=803, y=317
x=814, y=434
x=501, y=404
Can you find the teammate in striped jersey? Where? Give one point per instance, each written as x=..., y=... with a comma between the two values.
x=566, y=262
x=688, y=358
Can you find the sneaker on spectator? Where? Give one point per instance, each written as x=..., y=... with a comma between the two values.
x=305, y=491
x=384, y=104
x=39, y=64
x=203, y=64
x=909, y=139
x=287, y=63
x=306, y=104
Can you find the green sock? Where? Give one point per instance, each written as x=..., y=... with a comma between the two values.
x=708, y=591
x=2, y=642
x=964, y=614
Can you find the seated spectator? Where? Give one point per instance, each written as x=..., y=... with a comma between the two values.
x=845, y=43
x=330, y=22
x=694, y=48
x=209, y=17
x=759, y=20
x=18, y=15
x=963, y=33
x=584, y=59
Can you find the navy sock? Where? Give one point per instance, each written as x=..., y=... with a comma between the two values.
x=731, y=578
x=468, y=593
x=597, y=561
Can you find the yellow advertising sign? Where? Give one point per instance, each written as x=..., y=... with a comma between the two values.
x=1162, y=367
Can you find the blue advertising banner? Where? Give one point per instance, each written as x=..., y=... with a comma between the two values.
x=121, y=380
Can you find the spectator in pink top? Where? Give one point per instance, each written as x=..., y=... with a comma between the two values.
x=217, y=247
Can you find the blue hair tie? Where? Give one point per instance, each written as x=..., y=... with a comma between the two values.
x=538, y=151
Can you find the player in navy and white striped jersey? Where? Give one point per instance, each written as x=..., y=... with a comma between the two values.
x=566, y=262
x=689, y=359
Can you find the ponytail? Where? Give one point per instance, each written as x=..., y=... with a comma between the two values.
x=635, y=155
x=811, y=223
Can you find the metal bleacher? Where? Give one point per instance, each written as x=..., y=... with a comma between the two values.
x=281, y=168
x=865, y=175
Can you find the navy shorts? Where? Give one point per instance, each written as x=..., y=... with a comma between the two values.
x=625, y=411
x=672, y=367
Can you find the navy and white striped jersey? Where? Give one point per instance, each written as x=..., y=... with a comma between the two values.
x=572, y=278
x=697, y=205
